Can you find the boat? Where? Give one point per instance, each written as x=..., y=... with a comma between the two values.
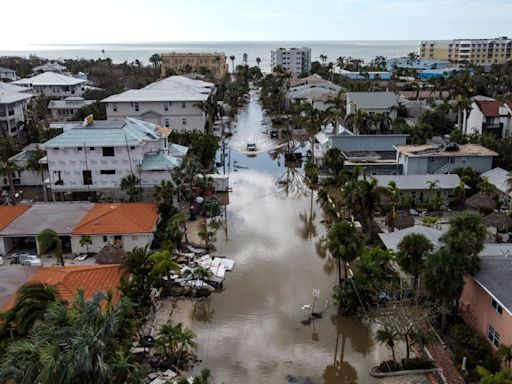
x=251, y=147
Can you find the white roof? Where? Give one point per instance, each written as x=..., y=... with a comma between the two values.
x=7, y=97
x=6, y=70
x=392, y=239
x=49, y=78
x=13, y=88
x=69, y=102
x=419, y=182
x=174, y=82
x=497, y=177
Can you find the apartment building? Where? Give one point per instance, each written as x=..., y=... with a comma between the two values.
x=173, y=103
x=13, y=109
x=474, y=51
x=186, y=62
x=294, y=60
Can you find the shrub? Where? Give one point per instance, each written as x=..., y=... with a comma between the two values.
x=311, y=172
x=389, y=366
x=417, y=363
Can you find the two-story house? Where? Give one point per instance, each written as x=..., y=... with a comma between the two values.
x=65, y=109
x=93, y=157
x=7, y=74
x=53, y=84
x=372, y=103
x=174, y=102
x=13, y=109
x=439, y=159
x=490, y=116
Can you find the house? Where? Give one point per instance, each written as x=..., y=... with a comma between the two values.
x=392, y=239
x=486, y=303
x=174, y=102
x=60, y=110
x=32, y=219
x=315, y=78
x=26, y=176
x=9, y=213
x=420, y=64
x=93, y=157
x=90, y=279
x=423, y=188
x=184, y=62
x=7, y=74
x=376, y=153
x=129, y=225
x=13, y=109
x=490, y=116
x=293, y=60
x=439, y=159
x=384, y=103
x=49, y=67
x=316, y=94
x=53, y=85
x=498, y=177
x=372, y=75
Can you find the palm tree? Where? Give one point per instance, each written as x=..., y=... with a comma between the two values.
x=412, y=57
x=359, y=120
x=164, y=197
x=6, y=171
x=166, y=339
x=245, y=57
x=162, y=264
x=258, y=61
x=368, y=196
x=323, y=58
x=387, y=337
x=232, y=58
x=203, y=378
x=32, y=301
x=462, y=106
x=130, y=184
x=413, y=250
x=48, y=239
x=337, y=110
x=394, y=195
x=185, y=338
x=85, y=240
x=505, y=354
x=344, y=244
x=155, y=59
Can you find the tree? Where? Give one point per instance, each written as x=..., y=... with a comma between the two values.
x=393, y=192
x=333, y=161
x=47, y=240
x=130, y=184
x=387, y=337
x=162, y=264
x=413, y=250
x=232, y=58
x=156, y=60
x=85, y=240
x=337, y=109
x=258, y=61
x=245, y=57
x=138, y=287
x=32, y=301
x=6, y=171
x=359, y=121
x=504, y=353
x=367, y=200
x=203, y=378
x=486, y=377
x=344, y=244
x=164, y=198
x=97, y=109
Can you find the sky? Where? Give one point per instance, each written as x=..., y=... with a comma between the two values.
x=124, y=21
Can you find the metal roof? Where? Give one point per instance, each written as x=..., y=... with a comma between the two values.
x=142, y=95
x=159, y=162
x=419, y=182
x=177, y=150
x=50, y=78
x=392, y=239
x=13, y=88
x=497, y=177
x=373, y=100
x=7, y=97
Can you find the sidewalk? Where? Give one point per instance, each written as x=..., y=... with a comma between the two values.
x=445, y=362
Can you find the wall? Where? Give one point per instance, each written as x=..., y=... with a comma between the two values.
x=476, y=310
x=8, y=123
x=58, y=90
x=6, y=244
x=129, y=242
x=475, y=120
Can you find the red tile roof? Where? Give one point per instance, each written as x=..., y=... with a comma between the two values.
x=68, y=280
x=491, y=108
x=118, y=218
x=9, y=213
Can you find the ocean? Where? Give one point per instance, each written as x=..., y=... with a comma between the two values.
x=119, y=53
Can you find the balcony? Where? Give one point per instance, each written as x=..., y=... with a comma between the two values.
x=493, y=129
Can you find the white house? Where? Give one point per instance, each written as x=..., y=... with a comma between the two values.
x=49, y=67
x=384, y=103
x=93, y=156
x=7, y=74
x=317, y=94
x=65, y=109
x=173, y=102
x=26, y=176
x=498, y=177
x=13, y=109
x=490, y=116
x=53, y=84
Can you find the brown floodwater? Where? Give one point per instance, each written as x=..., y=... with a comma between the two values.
x=251, y=331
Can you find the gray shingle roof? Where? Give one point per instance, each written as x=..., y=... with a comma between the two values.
x=392, y=239
x=498, y=178
x=373, y=100
x=418, y=182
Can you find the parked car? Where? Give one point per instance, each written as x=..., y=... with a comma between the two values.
x=29, y=259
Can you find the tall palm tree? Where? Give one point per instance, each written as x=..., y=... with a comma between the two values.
x=387, y=337
x=245, y=58
x=85, y=240
x=47, y=240
x=232, y=58
x=337, y=110
x=258, y=61
x=368, y=197
x=185, y=338
x=344, y=244
x=162, y=264
x=312, y=120
x=394, y=195
x=323, y=58
x=462, y=106
x=164, y=197
x=130, y=184
x=412, y=253
x=359, y=120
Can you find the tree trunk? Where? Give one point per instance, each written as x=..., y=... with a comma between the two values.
x=407, y=347
x=443, y=314
x=393, y=353
x=11, y=186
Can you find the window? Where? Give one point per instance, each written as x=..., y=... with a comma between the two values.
x=105, y=239
x=79, y=148
x=91, y=148
x=167, y=123
x=493, y=336
x=132, y=148
x=136, y=107
x=166, y=107
x=183, y=105
x=87, y=177
x=184, y=121
x=114, y=107
x=108, y=151
x=108, y=172
x=498, y=308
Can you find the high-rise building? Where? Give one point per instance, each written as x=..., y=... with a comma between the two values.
x=474, y=51
x=294, y=60
x=187, y=62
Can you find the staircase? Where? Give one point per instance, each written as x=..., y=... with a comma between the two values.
x=444, y=169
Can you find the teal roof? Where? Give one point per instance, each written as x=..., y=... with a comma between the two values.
x=159, y=162
x=107, y=133
x=177, y=150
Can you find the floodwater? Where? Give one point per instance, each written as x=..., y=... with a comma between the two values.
x=251, y=332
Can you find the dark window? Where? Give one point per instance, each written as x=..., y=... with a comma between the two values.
x=132, y=148
x=108, y=151
x=91, y=148
x=87, y=176
x=105, y=239
x=108, y=172
x=79, y=148
x=137, y=107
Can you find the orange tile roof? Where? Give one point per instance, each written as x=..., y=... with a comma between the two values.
x=118, y=218
x=68, y=280
x=9, y=213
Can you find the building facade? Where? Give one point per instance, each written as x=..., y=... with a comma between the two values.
x=490, y=116
x=7, y=74
x=13, y=111
x=53, y=85
x=474, y=51
x=294, y=60
x=65, y=109
x=186, y=62
x=419, y=65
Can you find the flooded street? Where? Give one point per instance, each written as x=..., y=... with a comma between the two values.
x=251, y=332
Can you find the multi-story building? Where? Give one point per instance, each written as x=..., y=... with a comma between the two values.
x=174, y=102
x=474, y=51
x=490, y=116
x=13, y=109
x=7, y=74
x=67, y=108
x=294, y=60
x=419, y=65
x=53, y=84
x=186, y=62
x=94, y=156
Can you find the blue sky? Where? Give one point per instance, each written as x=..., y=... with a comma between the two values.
x=102, y=21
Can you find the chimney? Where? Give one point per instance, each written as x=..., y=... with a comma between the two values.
x=88, y=121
